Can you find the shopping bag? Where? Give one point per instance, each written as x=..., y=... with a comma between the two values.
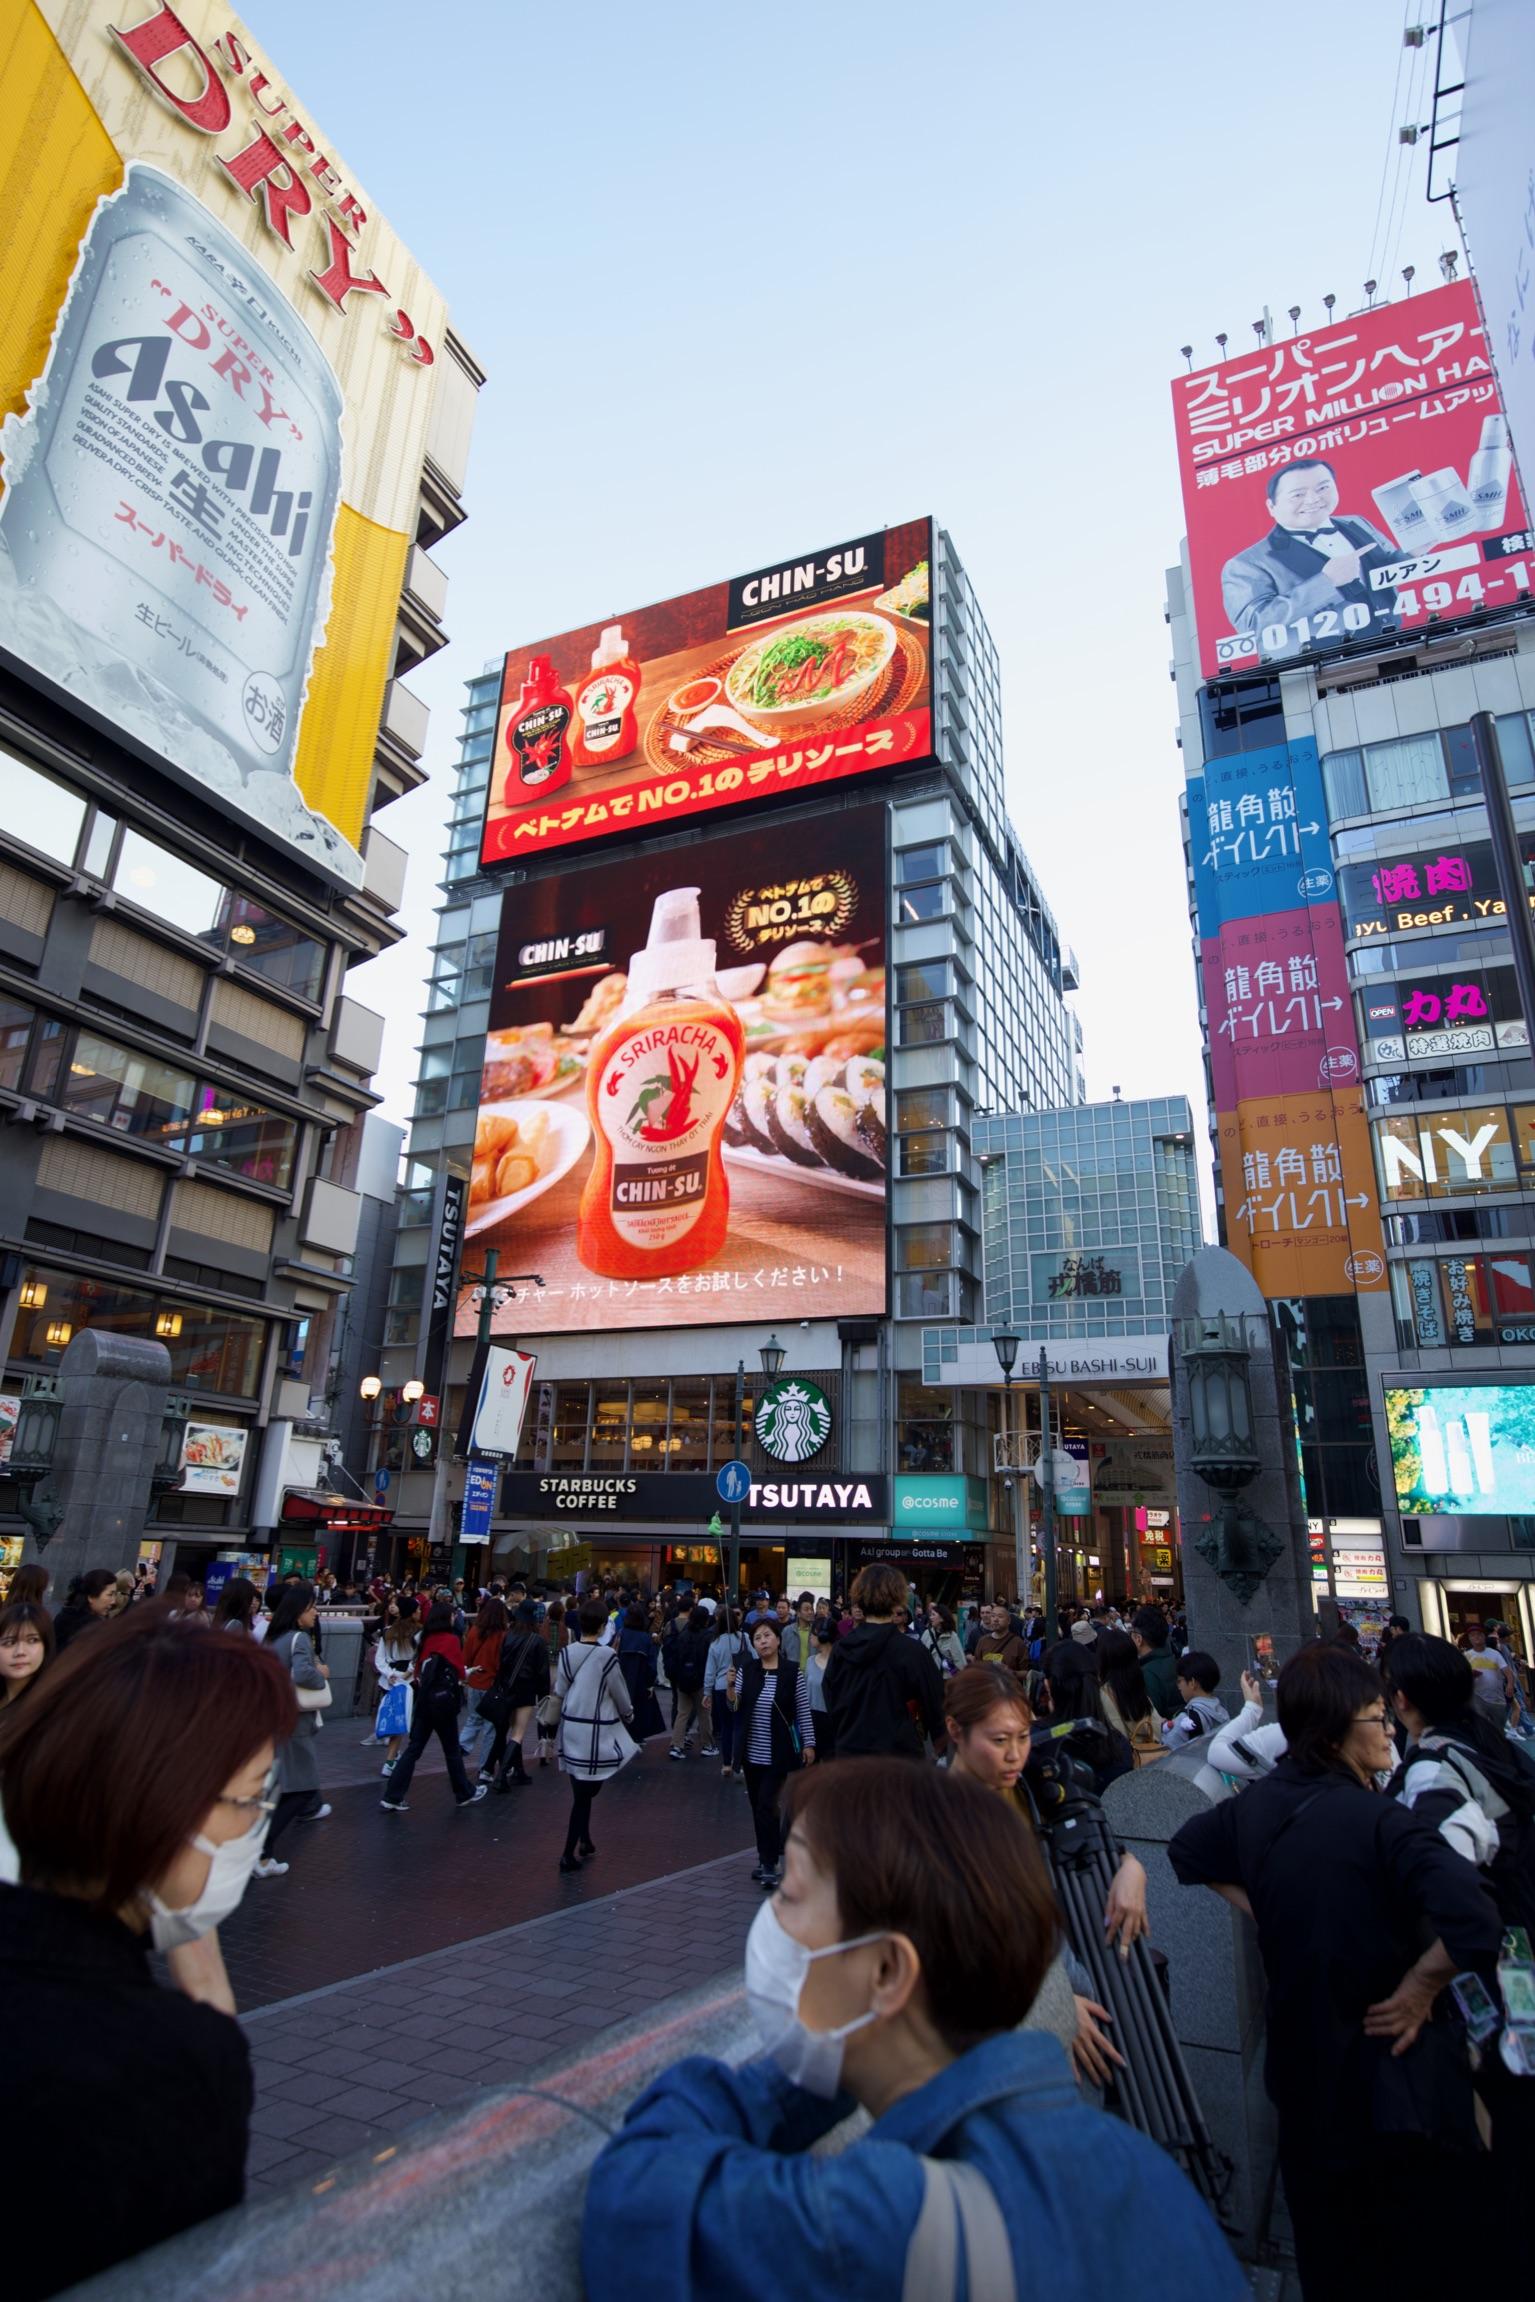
x=393, y=1716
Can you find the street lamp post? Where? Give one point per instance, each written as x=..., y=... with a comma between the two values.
x=772, y=1354
x=1006, y=1348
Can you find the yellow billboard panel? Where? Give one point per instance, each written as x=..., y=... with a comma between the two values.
x=1299, y=1182
x=216, y=375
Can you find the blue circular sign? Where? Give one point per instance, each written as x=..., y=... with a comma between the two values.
x=381, y=1480
x=733, y=1482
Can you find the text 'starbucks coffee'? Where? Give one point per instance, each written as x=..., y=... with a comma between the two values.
x=172, y=488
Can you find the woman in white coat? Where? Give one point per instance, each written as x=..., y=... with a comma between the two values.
x=393, y=1658
x=595, y=1712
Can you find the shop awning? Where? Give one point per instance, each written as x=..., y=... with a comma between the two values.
x=337, y=1514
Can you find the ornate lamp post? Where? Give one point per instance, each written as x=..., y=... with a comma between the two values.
x=1215, y=1356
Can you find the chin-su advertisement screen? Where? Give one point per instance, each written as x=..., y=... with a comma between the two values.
x=765, y=687
x=1347, y=483
x=683, y=1118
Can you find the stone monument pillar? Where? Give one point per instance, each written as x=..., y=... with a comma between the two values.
x=1247, y=1569
x=114, y=1393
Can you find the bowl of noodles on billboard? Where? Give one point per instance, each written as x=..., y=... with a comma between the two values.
x=804, y=674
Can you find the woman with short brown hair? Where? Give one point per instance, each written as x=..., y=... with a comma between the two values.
x=136, y=1788
x=912, y=1931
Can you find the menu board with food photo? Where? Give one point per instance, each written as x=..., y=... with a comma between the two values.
x=682, y=1112
x=772, y=684
x=212, y=1459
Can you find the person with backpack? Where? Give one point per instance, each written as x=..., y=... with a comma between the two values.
x=915, y=1928
x=727, y=1649
x=1462, y=1775
x=1203, y=1712
x=884, y=1694
x=521, y=1682
x=438, y=1673
x=1127, y=1706
x=686, y=1649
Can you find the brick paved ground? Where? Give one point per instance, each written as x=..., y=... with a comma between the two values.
x=352, y=2067
x=407, y=1961
x=366, y=1889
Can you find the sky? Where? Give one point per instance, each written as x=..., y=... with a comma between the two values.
x=746, y=282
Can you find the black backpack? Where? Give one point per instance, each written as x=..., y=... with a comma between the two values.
x=686, y=1656
x=1510, y=1779
x=440, y=1687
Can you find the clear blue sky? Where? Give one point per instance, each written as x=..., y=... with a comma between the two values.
x=748, y=280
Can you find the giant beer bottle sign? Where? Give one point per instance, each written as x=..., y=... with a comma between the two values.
x=209, y=476
x=170, y=495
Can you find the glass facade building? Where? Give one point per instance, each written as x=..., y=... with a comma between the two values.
x=978, y=985
x=1444, y=1065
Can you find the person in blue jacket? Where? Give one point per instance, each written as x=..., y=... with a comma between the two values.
x=910, y=1935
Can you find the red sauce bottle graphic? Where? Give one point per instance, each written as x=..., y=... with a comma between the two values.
x=538, y=735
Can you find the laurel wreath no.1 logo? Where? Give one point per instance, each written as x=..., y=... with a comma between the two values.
x=792, y=1420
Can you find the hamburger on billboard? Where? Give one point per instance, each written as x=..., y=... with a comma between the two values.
x=682, y=1116
x=765, y=687
x=215, y=378
x=1349, y=483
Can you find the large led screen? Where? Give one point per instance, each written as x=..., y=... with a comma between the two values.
x=1349, y=482
x=682, y=1112
x=772, y=684
x=217, y=371
x=1463, y=1449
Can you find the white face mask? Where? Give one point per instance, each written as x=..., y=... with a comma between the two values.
x=229, y=1869
x=776, y=1967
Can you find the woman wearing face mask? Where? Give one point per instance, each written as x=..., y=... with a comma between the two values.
x=26, y=1648
x=989, y=1723
x=912, y=1931
x=1345, y=1888
x=135, y=1791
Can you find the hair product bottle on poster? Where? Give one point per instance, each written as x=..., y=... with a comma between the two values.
x=538, y=735
x=607, y=718
x=1487, y=480
x=1400, y=509
x=659, y=1085
x=165, y=547
x=1446, y=506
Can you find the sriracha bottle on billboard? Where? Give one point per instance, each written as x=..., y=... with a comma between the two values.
x=659, y=1086
x=607, y=725
x=538, y=735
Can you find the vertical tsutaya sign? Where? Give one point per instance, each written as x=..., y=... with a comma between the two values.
x=215, y=384
x=503, y=1402
x=442, y=1273
x=1299, y=1182
x=1494, y=163
x=1349, y=482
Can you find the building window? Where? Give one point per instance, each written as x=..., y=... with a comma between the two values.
x=16, y=1021
x=915, y=904
x=925, y=1428
x=924, y=1026
x=921, y=1107
x=927, y=1154
x=210, y=1351
x=925, y=1246
x=241, y=1137
x=914, y=864
x=160, y=883
x=265, y=945
x=132, y=1094
x=926, y=979
x=39, y=812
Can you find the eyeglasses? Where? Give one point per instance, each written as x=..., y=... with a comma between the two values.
x=1373, y=1718
x=265, y=1802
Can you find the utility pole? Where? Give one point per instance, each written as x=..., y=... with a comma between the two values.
x=735, y=1509
x=1047, y=1497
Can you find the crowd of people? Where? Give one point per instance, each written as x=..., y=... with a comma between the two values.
x=155, y=1754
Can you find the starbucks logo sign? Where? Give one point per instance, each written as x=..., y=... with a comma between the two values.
x=793, y=1420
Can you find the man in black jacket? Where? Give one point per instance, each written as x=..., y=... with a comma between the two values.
x=883, y=1690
